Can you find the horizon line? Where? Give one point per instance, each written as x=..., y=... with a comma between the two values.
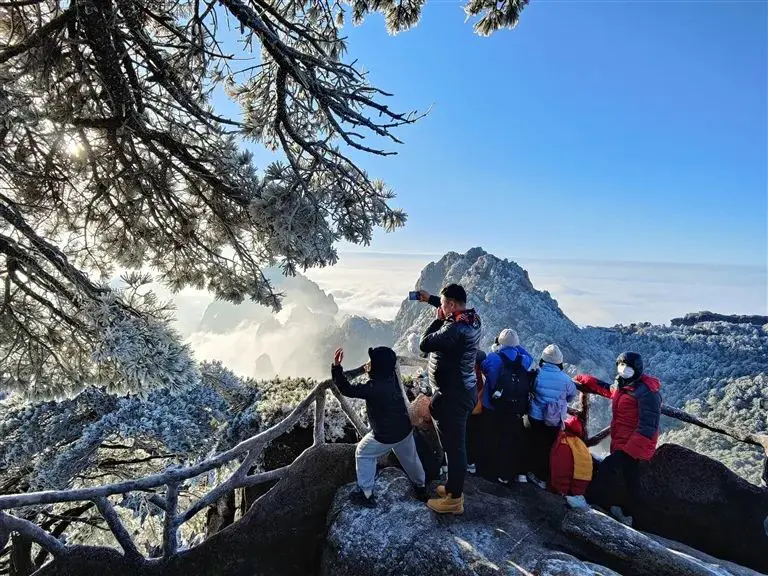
x=439, y=255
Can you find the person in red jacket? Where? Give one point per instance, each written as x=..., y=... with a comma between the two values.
x=570, y=464
x=636, y=404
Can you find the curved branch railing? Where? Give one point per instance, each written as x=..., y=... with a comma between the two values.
x=173, y=480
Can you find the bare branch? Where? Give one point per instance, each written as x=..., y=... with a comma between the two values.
x=319, y=430
x=121, y=534
x=32, y=532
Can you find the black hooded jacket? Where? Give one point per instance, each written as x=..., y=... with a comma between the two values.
x=384, y=399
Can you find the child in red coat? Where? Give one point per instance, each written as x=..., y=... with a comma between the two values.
x=570, y=464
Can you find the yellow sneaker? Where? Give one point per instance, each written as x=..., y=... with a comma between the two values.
x=447, y=504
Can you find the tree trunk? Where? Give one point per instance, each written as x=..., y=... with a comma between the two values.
x=220, y=515
x=21, y=556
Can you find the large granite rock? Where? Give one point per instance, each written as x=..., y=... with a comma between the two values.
x=504, y=296
x=502, y=531
x=698, y=501
x=517, y=530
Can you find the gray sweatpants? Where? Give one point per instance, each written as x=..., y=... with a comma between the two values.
x=369, y=450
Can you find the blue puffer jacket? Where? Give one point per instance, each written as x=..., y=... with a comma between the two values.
x=549, y=387
x=491, y=367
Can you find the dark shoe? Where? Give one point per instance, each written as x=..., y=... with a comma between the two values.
x=357, y=497
x=421, y=493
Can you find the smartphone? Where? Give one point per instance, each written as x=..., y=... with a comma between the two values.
x=413, y=295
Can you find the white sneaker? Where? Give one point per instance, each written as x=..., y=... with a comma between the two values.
x=619, y=515
x=502, y=481
x=471, y=468
x=577, y=501
x=522, y=479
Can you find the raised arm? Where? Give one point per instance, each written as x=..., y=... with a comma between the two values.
x=346, y=388
x=594, y=385
x=341, y=382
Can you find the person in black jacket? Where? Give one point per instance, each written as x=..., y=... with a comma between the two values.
x=451, y=342
x=391, y=427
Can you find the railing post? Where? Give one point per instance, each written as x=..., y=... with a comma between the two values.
x=121, y=534
x=319, y=434
x=351, y=414
x=583, y=414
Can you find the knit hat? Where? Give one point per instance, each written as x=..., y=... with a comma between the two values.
x=508, y=337
x=552, y=354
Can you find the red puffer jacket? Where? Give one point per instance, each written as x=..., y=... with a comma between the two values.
x=636, y=413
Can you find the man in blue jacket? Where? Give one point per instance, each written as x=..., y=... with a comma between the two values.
x=505, y=401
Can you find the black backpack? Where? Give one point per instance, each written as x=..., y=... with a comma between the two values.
x=514, y=383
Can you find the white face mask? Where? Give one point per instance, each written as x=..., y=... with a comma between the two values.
x=625, y=371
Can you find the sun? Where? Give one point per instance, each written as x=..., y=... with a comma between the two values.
x=75, y=149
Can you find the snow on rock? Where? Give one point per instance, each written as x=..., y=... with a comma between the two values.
x=631, y=550
x=501, y=532
x=561, y=564
x=504, y=296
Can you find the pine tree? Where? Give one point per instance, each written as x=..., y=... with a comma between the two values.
x=113, y=158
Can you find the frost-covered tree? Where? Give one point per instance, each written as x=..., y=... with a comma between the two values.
x=111, y=155
x=98, y=438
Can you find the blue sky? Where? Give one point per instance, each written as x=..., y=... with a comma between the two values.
x=603, y=130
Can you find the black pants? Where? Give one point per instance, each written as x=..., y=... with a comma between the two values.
x=509, y=431
x=451, y=411
x=488, y=449
x=474, y=439
x=603, y=490
x=540, y=442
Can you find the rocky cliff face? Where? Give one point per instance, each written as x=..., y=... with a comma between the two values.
x=504, y=296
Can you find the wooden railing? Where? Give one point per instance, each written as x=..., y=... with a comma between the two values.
x=582, y=413
x=246, y=452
